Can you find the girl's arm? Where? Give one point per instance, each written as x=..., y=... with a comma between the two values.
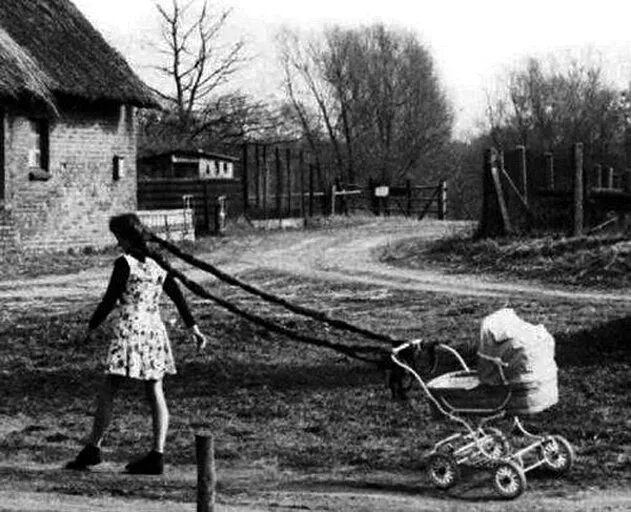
x=173, y=291
x=115, y=288
x=175, y=294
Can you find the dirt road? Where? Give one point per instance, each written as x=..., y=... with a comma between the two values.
x=339, y=255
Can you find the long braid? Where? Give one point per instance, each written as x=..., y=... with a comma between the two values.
x=353, y=351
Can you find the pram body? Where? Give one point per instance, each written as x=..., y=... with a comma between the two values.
x=464, y=398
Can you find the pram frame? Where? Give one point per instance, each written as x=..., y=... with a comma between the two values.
x=490, y=446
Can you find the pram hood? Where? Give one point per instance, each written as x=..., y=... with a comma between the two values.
x=527, y=350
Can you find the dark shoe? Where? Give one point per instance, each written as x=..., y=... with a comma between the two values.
x=89, y=456
x=150, y=464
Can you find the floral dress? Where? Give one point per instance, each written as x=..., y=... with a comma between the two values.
x=140, y=346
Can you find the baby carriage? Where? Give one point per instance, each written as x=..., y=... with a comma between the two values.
x=516, y=375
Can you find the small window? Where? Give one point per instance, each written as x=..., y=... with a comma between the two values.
x=38, y=156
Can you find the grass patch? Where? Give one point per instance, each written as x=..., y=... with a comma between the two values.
x=603, y=261
x=270, y=399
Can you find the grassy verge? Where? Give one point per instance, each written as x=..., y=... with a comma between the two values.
x=603, y=261
x=274, y=402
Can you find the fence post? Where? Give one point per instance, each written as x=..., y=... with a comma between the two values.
x=494, y=219
x=301, y=168
x=289, y=188
x=323, y=187
x=598, y=176
x=408, y=194
x=244, y=180
x=442, y=201
x=333, y=190
x=264, y=182
x=626, y=181
x=609, y=177
x=310, y=190
x=279, y=183
x=523, y=171
x=206, y=479
x=549, y=170
x=577, y=153
x=257, y=185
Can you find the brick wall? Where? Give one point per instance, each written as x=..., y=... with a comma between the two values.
x=72, y=207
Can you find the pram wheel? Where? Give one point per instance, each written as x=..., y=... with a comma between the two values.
x=498, y=446
x=509, y=480
x=443, y=470
x=558, y=455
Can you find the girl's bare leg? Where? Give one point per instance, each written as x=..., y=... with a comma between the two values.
x=104, y=409
x=159, y=413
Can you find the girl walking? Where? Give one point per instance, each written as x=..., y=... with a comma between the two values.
x=139, y=348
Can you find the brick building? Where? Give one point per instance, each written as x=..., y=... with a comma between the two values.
x=68, y=106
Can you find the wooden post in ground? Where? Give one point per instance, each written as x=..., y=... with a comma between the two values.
x=279, y=184
x=549, y=170
x=494, y=221
x=311, y=171
x=598, y=176
x=442, y=201
x=333, y=191
x=206, y=477
x=609, y=184
x=322, y=189
x=408, y=197
x=523, y=171
x=301, y=167
x=577, y=154
x=289, y=188
x=264, y=182
x=244, y=180
x=626, y=181
x=257, y=185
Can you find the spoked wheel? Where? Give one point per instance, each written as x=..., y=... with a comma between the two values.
x=443, y=470
x=509, y=480
x=497, y=447
x=558, y=455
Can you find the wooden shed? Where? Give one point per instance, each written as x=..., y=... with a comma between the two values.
x=195, y=179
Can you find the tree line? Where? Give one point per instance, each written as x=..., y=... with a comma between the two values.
x=367, y=103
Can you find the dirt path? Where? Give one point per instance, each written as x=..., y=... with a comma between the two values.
x=339, y=255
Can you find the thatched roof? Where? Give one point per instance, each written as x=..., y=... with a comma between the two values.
x=49, y=50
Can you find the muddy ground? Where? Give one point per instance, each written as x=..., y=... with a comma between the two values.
x=326, y=435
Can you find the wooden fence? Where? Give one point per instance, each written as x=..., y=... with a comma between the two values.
x=175, y=225
x=201, y=196
x=279, y=183
x=568, y=191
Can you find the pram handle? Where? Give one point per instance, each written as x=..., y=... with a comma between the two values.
x=454, y=353
x=407, y=344
x=420, y=343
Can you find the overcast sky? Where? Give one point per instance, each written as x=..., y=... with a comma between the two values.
x=473, y=42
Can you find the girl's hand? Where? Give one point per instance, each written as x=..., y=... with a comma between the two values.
x=198, y=337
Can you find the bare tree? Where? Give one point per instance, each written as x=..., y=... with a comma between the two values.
x=197, y=62
x=548, y=107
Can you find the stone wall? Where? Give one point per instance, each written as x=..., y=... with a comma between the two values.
x=71, y=208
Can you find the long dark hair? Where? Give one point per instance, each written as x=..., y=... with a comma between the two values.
x=129, y=227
